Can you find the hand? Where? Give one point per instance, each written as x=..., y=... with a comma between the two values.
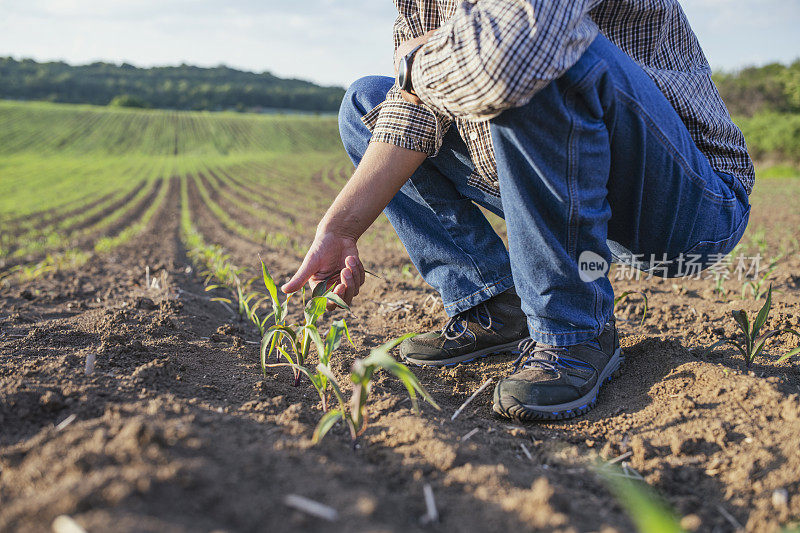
x=403, y=50
x=335, y=256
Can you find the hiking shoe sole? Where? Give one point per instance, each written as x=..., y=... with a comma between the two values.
x=526, y=412
x=465, y=358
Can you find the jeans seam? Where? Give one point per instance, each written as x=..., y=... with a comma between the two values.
x=573, y=332
x=484, y=288
x=574, y=154
x=574, y=201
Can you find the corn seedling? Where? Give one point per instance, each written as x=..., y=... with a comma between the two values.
x=625, y=295
x=756, y=287
x=354, y=412
x=753, y=343
x=325, y=349
x=242, y=298
x=719, y=286
x=260, y=323
x=290, y=341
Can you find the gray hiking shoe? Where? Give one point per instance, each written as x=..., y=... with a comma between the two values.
x=552, y=383
x=495, y=326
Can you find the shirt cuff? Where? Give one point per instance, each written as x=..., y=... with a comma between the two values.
x=401, y=123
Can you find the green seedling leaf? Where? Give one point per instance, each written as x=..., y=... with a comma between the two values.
x=270, y=340
x=322, y=288
x=388, y=346
x=325, y=424
x=761, y=319
x=333, y=339
x=260, y=301
x=288, y=357
x=748, y=285
x=337, y=391
x=758, y=345
x=272, y=289
x=247, y=284
x=282, y=312
x=249, y=298
x=284, y=330
x=789, y=354
x=772, y=333
x=338, y=301
x=266, y=342
x=347, y=332
x=264, y=320
x=402, y=372
x=314, y=309
x=226, y=300
x=743, y=321
x=641, y=503
x=626, y=294
x=723, y=342
x=313, y=333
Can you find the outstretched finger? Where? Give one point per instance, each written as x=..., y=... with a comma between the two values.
x=307, y=269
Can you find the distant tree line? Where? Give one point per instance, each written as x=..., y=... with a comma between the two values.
x=770, y=88
x=181, y=87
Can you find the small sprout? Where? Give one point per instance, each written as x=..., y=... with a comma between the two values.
x=640, y=501
x=625, y=295
x=719, y=286
x=294, y=342
x=354, y=412
x=756, y=287
x=754, y=343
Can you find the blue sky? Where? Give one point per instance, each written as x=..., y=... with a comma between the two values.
x=327, y=41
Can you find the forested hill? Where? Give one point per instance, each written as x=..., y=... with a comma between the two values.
x=182, y=87
x=769, y=88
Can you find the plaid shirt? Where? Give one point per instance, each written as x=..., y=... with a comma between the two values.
x=491, y=55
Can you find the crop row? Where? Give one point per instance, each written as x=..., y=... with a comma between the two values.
x=77, y=256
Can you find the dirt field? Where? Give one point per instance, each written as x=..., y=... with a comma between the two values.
x=177, y=430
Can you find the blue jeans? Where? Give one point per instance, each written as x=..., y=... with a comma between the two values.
x=597, y=167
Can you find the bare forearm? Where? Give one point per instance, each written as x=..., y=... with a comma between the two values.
x=383, y=170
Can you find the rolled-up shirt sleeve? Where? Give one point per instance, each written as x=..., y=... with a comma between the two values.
x=401, y=123
x=496, y=54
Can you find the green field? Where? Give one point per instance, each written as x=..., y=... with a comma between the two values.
x=79, y=179
x=70, y=175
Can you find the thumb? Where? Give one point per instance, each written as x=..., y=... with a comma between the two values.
x=303, y=274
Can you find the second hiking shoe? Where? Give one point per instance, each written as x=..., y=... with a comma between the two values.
x=492, y=327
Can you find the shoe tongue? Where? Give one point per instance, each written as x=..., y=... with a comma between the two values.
x=546, y=352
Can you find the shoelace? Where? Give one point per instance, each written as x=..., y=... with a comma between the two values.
x=529, y=356
x=555, y=357
x=462, y=319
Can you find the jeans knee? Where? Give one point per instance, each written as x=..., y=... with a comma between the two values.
x=361, y=97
